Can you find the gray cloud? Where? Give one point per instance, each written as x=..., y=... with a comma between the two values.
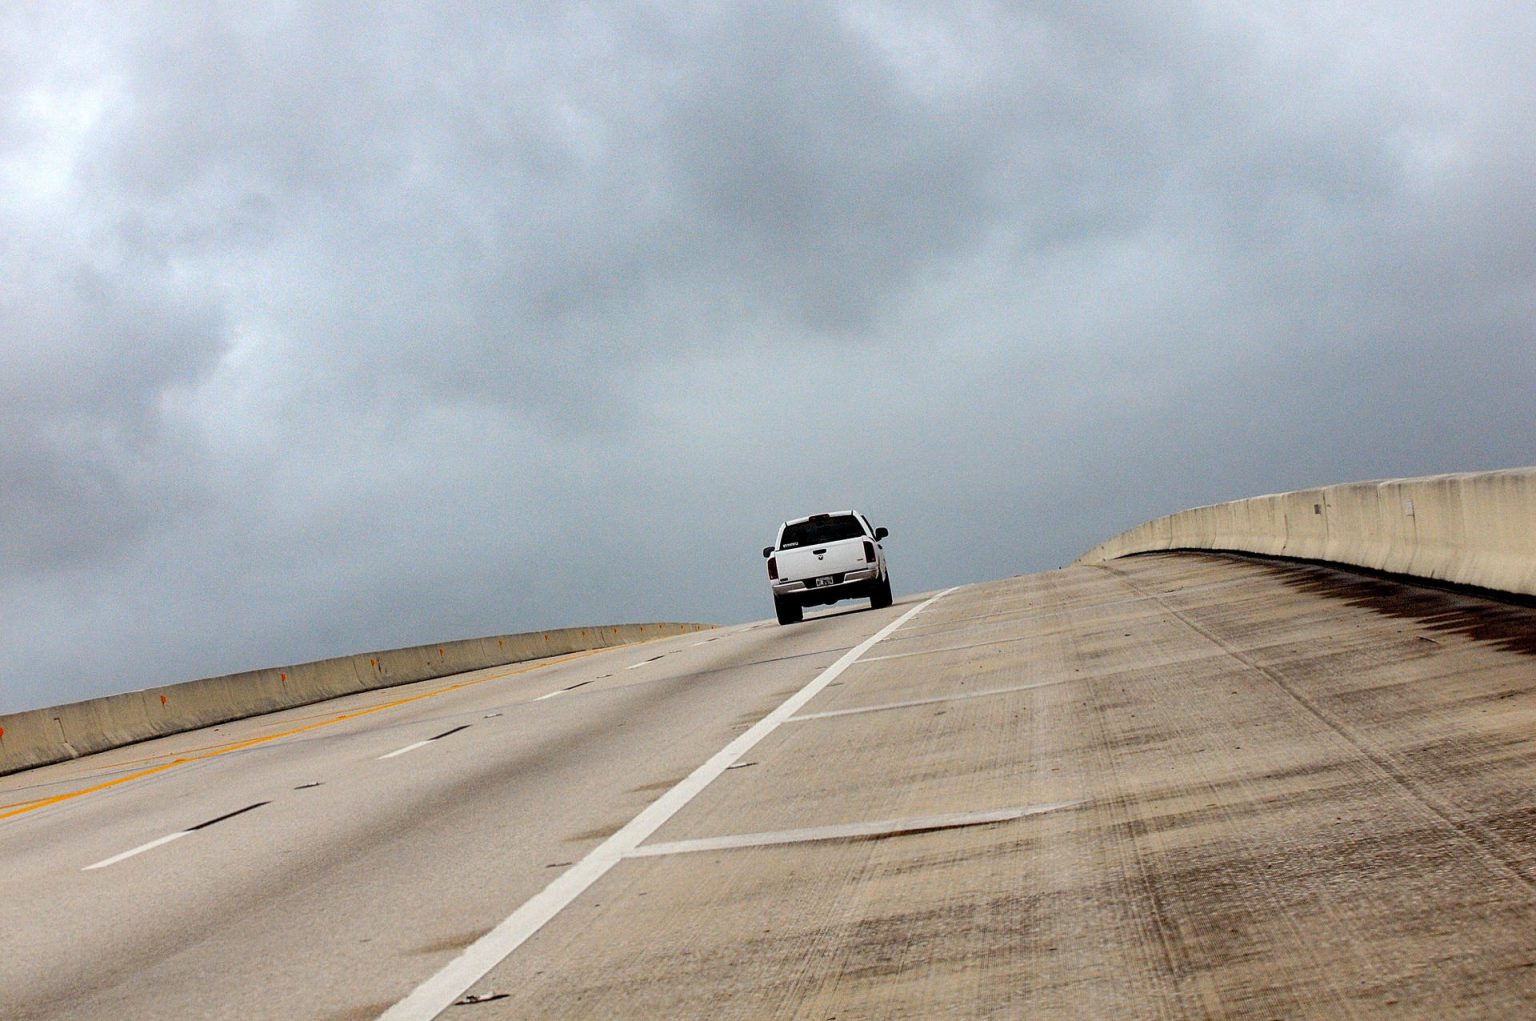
x=334, y=330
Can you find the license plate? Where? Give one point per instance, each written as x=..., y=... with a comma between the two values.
x=824, y=582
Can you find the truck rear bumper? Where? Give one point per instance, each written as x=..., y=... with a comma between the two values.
x=847, y=585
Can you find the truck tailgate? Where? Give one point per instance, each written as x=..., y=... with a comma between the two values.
x=821, y=561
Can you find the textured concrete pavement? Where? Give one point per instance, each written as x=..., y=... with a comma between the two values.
x=1169, y=786
x=1284, y=792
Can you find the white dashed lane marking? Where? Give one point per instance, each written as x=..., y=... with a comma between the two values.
x=162, y=841
x=422, y=744
x=562, y=691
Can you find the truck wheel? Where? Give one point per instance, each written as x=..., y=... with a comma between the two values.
x=788, y=611
x=880, y=598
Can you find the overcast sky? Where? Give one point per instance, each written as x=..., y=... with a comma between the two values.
x=328, y=328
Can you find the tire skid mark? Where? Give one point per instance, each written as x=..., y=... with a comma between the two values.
x=1492, y=847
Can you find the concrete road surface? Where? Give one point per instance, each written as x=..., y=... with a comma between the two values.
x=1170, y=786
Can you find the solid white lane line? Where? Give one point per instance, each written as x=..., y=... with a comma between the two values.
x=407, y=748
x=439, y=992
x=552, y=694
x=924, y=701
x=884, y=828
x=137, y=850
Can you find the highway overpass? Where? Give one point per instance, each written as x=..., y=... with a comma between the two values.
x=1174, y=783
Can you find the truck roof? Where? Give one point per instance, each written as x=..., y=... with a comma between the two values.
x=823, y=514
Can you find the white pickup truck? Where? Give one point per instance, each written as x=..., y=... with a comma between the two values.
x=826, y=557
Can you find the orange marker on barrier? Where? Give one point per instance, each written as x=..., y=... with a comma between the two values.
x=162, y=700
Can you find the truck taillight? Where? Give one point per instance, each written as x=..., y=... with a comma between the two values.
x=869, y=551
x=773, y=568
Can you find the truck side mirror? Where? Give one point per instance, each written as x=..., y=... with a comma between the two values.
x=880, y=533
x=767, y=552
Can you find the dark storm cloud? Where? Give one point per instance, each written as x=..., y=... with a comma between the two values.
x=90, y=348
x=339, y=328
x=819, y=184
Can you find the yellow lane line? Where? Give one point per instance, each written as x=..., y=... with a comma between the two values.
x=327, y=718
x=213, y=751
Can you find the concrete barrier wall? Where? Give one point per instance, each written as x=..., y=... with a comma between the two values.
x=1477, y=528
x=38, y=737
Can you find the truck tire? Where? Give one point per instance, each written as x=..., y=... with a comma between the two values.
x=788, y=610
x=880, y=595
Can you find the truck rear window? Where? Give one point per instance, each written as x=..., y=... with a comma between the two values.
x=819, y=530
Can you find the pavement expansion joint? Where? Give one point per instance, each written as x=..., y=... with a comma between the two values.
x=1010, y=640
x=910, y=703
x=850, y=831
